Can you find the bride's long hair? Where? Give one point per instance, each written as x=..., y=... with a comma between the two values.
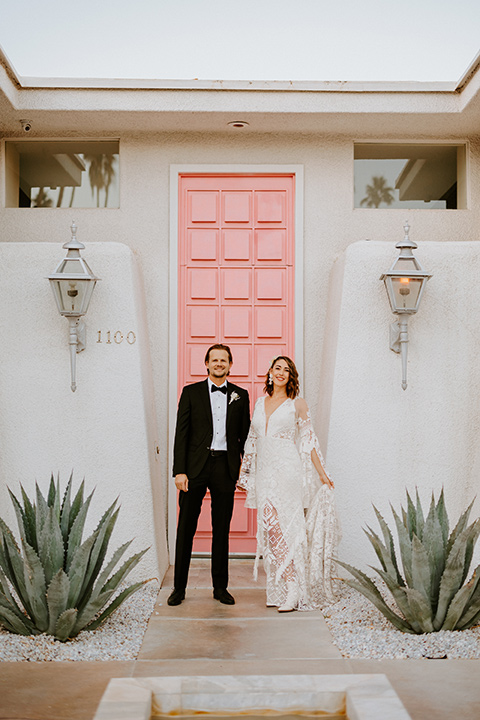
x=293, y=386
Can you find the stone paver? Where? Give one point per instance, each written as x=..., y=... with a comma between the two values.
x=55, y=690
x=204, y=637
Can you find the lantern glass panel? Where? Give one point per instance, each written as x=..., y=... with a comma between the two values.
x=406, y=265
x=406, y=292
x=72, y=266
x=74, y=295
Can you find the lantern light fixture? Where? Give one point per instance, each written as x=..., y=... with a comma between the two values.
x=405, y=283
x=72, y=284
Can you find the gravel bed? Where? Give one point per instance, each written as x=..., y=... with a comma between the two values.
x=119, y=638
x=359, y=630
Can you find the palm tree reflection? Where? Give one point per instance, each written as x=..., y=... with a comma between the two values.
x=377, y=192
x=101, y=173
x=42, y=199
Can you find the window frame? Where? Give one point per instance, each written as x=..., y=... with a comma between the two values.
x=450, y=142
x=81, y=139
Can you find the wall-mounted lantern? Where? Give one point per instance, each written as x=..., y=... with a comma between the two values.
x=405, y=283
x=72, y=284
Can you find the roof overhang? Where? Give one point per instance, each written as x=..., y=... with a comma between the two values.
x=60, y=107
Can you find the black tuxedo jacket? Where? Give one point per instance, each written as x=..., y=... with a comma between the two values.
x=194, y=431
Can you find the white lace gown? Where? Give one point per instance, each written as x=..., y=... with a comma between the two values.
x=281, y=482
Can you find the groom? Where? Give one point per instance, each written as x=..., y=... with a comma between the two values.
x=212, y=425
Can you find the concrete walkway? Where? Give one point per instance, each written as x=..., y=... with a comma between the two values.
x=204, y=637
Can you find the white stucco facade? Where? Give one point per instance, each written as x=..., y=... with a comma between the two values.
x=105, y=432
x=377, y=438
x=380, y=439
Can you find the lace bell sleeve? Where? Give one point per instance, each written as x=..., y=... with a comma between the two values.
x=307, y=442
x=323, y=529
x=248, y=469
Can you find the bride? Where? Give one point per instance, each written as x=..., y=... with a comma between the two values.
x=283, y=474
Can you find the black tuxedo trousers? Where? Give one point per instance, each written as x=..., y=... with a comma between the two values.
x=218, y=473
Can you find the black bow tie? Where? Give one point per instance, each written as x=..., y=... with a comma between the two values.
x=222, y=389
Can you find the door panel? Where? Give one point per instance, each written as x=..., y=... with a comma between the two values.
x=236, y=286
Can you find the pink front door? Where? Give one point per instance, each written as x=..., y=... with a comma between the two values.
x=236, y=286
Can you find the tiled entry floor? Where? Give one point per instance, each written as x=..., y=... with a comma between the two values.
x=204, y=637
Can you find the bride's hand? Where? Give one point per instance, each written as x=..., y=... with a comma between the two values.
x=326, y=481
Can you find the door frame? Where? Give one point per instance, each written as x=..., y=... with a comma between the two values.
x=234, y=169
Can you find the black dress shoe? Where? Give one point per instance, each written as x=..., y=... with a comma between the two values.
x=176, y=597
x=224, y=597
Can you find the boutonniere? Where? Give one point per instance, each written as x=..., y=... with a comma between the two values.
x=234, y=396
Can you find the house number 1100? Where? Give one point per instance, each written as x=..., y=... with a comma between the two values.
x=117, y=337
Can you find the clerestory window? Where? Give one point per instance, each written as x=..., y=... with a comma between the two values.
x=62, y=174
x=428, y=176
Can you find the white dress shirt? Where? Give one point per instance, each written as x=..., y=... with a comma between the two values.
x=218, y=403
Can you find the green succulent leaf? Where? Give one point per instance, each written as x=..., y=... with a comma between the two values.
x=78, y=569
x=451, y=578
x=433, y=541
x=472, y=537
x=4, y=588
x=99, y=550
x=459, y=527
x=30, y=520
x=114, y=604
x=35, y=587
x=400, y=596
x=411, y=517
x=114, y=560
x=405, y=548
x=367, y=587
x=65, y=624
x=50, y=545
x=473, y=607
x=443, y=517
x=457, y=606
x=77, y=504
x=124, y=570
x=75, y=535
x=90, y=610
x=41, y=511
x=8, y=603
x=57, y=598
x=12, y=564
x=420, y=520
x=21, y=520
x=65, y=511
x=420, y=608
x=13, y=623
x=421, y=580
x=378, y=546
x=390, y=558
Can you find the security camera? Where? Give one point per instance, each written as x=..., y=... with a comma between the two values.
x=26, y=125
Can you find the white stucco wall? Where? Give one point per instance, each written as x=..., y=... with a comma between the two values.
x=382, y=439
x=106, y=431
x=331, y=224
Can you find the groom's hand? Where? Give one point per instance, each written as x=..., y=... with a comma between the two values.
x=181, y=482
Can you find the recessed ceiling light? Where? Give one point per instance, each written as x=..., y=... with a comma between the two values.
x=239, y=123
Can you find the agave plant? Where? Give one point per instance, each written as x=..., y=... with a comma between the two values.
x=58, y=579
x=431, y=596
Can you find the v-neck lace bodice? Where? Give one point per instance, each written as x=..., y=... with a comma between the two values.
x=282, y=427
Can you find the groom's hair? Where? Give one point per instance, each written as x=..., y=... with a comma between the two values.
x=219, y=346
